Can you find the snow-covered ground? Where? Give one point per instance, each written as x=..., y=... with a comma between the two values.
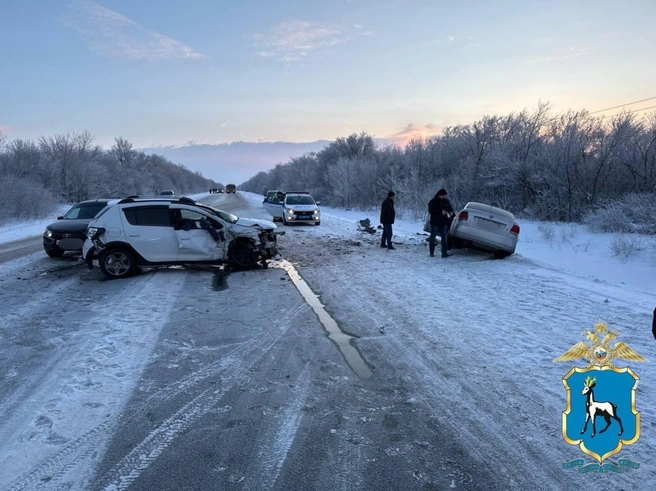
x=566, y=247
x=468, y=339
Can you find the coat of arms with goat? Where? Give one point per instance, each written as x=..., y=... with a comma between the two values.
x=601, y=415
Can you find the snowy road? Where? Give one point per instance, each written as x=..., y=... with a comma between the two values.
x=19, y=248
x=187, y=379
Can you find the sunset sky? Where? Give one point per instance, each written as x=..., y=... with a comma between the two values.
x=164, y=72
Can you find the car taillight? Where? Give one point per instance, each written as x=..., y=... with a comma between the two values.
x=514, y=229
x=463, y=215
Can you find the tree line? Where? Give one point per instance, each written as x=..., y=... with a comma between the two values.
x=37, y=175
x=569, y=166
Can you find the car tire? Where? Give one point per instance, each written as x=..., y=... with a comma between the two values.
x=242, y=255
x=55, y=252
x=501, y=254
x=317, y=223
x=284, y=222
x=116, y=263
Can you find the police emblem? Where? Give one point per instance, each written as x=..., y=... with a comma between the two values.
x=601, y=393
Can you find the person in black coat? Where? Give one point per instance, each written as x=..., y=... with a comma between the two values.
x=441, y=212
x=653, y=325
x=387, y=215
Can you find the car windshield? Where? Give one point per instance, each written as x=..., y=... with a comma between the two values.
x=300, y=200
x=84, y=210
x=224, y=215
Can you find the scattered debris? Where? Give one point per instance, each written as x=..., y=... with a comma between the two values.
x=365, y=226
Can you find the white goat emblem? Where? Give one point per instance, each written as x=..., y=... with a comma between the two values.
x=593, y=409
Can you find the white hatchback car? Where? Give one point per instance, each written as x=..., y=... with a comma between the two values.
x=166, y=231
x=485, y=227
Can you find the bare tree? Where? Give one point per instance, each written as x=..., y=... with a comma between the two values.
x=122, y=151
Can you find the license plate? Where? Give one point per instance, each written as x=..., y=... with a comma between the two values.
x=490, y=225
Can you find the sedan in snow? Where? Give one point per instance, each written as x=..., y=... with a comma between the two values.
x=69, y=232
x=485, y=227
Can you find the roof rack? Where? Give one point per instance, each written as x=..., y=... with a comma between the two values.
x=173, y=199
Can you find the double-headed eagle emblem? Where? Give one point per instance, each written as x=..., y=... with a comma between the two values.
x=600, y=353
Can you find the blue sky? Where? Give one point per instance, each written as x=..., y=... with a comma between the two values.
x=163, y=72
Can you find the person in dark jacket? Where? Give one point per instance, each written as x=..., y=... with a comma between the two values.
x=387, y=215
x=441, y=212
x=653, y=325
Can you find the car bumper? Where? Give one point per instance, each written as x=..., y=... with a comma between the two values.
x=89, y=253
x=305, y=219
x=484, y=239
x=64, y=244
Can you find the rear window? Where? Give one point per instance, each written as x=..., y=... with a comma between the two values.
x=150, y=216
x=84, y=210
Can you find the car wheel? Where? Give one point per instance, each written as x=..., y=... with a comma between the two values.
x=55, y=252
x=284, y=222
x=243, y=255
x=317, y=223
x=116, y=263
x=501, y=254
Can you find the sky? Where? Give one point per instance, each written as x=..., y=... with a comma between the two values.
x=163, y=72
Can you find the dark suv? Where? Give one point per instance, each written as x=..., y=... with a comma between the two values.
x=69, y=232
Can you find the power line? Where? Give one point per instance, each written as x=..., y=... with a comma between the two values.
x=622, y=105
x=634, y=111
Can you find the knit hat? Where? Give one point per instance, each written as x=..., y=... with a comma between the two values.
x=390, y=194
x=441, y=192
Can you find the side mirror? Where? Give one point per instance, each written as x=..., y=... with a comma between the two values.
x=60, y=217
x=318, y=202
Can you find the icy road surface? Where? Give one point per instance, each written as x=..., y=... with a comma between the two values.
x=185, y=379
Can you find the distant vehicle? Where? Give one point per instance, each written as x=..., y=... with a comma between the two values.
x=170, y=231
x=167, y=192
x=485, y=227
x=220, y=190
x=294, y=207
x=69, y=232
x=231, y=188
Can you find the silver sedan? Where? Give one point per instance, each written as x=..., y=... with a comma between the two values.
x=485, y=227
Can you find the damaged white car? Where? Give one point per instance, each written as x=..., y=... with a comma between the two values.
x=158, y=231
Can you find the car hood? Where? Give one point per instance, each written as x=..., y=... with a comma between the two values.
x=69, y=226
x=302, y=207
x=254, y=222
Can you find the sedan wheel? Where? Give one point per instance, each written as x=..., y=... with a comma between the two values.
x=116, y=263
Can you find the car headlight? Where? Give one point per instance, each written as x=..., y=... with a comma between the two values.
x=290, y=211
x=47, y=233
x=316, y=212
x=94, y=232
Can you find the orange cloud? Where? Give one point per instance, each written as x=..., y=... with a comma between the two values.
x=414, y=132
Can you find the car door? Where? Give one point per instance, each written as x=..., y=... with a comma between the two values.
x=273, y=206
x=149, y=229
x=194, y=242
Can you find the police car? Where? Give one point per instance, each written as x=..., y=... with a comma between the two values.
x=293, y=207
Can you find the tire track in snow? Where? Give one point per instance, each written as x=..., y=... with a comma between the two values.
x=83, y=447
x=273, y=448
x=115, y=327
x=234, y=372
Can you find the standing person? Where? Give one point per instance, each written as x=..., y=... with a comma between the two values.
x=441, y=211
x=653, y=325
x=387, y=215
